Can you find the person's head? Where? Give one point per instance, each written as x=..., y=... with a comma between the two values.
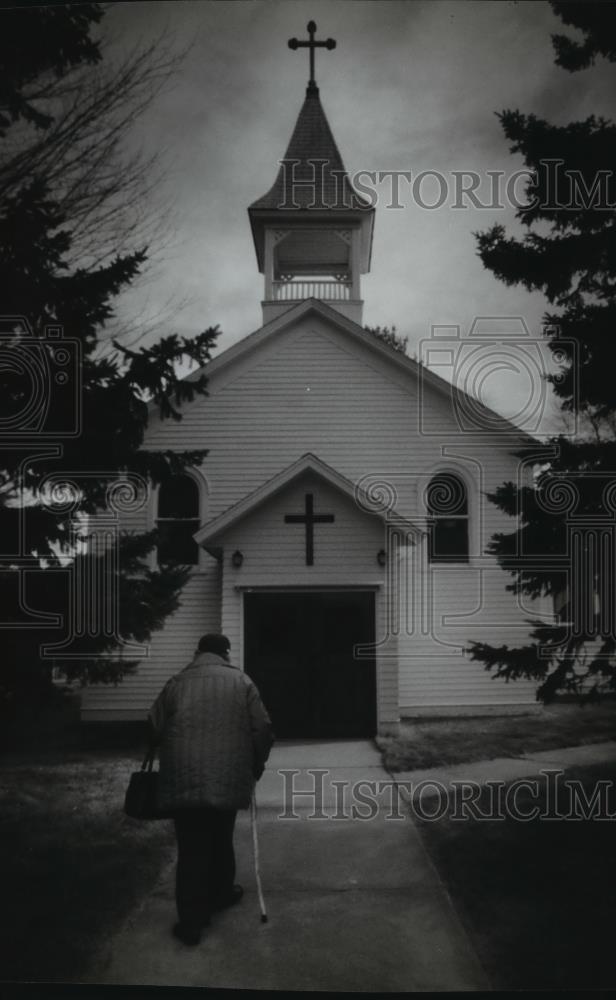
x=214, y=642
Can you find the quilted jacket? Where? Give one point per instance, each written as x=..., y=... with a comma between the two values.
x=214, y=736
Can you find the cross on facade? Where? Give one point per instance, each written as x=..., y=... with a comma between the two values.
x=309, y=518
x=329, y=43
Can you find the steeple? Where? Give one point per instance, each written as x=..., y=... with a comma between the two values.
x=312, y=230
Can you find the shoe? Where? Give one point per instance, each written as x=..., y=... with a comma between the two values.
x=187, y=934
x=234, y=897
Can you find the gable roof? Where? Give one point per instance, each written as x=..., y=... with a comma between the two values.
x=421, y=373
x=307, y=463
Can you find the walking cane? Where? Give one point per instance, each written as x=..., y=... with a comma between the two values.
x=255, y=851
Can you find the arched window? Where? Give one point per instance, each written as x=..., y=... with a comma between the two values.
x=178, y=519
x=447, y=505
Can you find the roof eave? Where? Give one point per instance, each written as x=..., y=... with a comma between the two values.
x=376, y=345
x=209, y=535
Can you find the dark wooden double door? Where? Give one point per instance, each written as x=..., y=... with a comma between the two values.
x=299, y=650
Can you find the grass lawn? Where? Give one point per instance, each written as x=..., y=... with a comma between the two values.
x=71, y=863
x=537, y=898
x=438, y=742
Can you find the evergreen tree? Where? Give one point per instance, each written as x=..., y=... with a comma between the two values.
x=567, y=516
x=73, y=416
x=389, y=336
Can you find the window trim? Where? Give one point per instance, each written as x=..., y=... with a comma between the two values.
x=202, y=494
x=432, y=519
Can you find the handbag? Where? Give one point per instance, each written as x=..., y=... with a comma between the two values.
x=141, y=799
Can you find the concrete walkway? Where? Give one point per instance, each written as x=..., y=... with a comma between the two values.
x=510, y=768
x=354, y=904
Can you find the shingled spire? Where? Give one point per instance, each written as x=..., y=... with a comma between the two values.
x=312, y=230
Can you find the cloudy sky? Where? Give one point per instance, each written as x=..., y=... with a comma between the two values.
x=411, y=86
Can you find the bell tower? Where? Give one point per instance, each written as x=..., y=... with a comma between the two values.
x=312, y=231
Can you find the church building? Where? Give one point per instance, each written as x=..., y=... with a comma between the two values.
x=337, y=529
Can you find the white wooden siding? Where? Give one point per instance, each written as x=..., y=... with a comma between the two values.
x=345, y=556
x=452, y=606
x=316, y=388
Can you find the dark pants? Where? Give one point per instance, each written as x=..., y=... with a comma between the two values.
x=206, y=862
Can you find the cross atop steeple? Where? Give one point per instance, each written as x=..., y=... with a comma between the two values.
x=329, y=43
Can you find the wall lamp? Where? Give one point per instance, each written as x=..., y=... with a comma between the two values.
x=237, y=559
x=381, y=557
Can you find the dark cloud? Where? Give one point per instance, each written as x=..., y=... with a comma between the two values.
x=410, y=86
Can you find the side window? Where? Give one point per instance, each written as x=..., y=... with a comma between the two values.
x=447, y=505
x=177, y=521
